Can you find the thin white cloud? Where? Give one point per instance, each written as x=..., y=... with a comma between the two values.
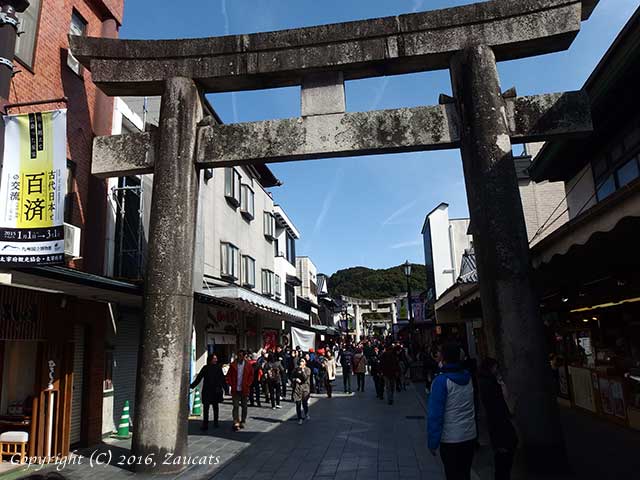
x=379, y=94
x=225, y=18
x=412, y=243
x=399, y=212
x=326, y=206
x=417, y=5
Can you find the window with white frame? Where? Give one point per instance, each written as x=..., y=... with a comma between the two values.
x=232, y=183
x=229, y=260
x=277, y=288
x=247, y=202
x=26, y=41
x=78, y=27
x=248, y=271
x=267, y=282
x=269, y=225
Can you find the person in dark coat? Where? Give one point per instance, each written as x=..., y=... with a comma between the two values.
x=390, y=369
x=504, y=438
x=302, y=390
x=376, y=373
x=213, y=387
x=274, y=371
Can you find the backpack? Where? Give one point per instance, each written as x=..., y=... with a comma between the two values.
x=273, y=374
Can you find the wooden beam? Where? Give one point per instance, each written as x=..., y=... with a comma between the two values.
x=368, y=48
x=530, y=118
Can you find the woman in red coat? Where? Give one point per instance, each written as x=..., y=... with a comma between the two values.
x=240, y=378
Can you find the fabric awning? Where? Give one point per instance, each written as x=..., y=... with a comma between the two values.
x=248, y=301
x=601, y=218
x=448, y=306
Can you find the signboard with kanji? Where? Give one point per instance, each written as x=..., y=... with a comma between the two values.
x=33, y=188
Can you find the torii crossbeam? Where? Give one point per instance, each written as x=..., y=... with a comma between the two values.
x=481, y=120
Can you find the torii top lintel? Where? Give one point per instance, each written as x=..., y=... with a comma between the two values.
x=367, y=48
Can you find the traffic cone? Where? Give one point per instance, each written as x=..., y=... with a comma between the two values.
x=196, y=411
x=123, y=426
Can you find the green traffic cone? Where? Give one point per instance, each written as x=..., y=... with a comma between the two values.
x=196, y=411
x=123, y=426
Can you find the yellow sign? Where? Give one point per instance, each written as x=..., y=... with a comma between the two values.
x=33, y=188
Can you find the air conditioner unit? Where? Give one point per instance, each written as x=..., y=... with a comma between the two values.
x=72, y=236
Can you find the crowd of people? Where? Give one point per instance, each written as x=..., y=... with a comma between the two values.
x=455, y=387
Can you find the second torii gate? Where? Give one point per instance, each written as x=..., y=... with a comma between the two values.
x=481, y=120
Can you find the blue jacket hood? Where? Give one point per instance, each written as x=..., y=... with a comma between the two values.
x=456, y=373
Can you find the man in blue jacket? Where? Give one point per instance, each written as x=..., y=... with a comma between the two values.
x=451, y=422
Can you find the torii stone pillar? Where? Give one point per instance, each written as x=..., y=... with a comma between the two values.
x=509, y=301
x=161, y=408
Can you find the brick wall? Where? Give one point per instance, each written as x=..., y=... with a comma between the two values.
x=544, y=206
x=51, y=78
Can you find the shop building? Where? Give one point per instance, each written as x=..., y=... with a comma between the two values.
x=588, y=270
x=55, y=319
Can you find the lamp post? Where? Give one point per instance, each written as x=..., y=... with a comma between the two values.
x=407, y=273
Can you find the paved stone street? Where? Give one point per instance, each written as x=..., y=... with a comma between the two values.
x=347, y=437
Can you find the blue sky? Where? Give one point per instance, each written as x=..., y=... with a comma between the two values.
x=366, y=210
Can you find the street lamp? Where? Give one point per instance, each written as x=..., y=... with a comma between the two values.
x=407, y=273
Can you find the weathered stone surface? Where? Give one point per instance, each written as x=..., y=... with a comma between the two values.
x=510, y=307
x=322, y=93
x=323, y=136
x=162, y=387
x=530, y=119
x=384, y=46
x=119, y=155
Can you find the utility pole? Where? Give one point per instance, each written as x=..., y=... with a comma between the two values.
x=8, y=35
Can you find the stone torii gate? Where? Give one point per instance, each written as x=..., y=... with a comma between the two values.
x=481, y=120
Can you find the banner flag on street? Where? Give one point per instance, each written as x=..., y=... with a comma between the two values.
x=306, y=340
x=32, y=190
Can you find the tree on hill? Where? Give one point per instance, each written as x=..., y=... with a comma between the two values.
x=362, y=282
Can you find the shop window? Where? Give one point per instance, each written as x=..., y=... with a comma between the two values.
x=229, y=260
x=278, y=287
x=606, y=188
x=248, y=271
x=628, y=172
x=291, y=249
x=107, y=383
x=269, y=225
x=247, y=202
x=28, y=26
x=78, y=27
x=232, y=183
x=267, y=282
x=289, y=295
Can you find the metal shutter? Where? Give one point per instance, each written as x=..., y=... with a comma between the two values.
x=78, y=374
x=125, y=356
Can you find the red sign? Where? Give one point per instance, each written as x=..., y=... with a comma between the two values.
x=269, y=339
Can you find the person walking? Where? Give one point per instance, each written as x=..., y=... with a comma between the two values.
x=240, y=378
x=283, y=359
x=376, y=373
x=502, y=433
x=360, y=368
x=330, y=369
x=212, y=389
x=274, y=372
x=345, y=358
x=254, y=392
x=451, y=424
x=302, y=390
x=390, y=369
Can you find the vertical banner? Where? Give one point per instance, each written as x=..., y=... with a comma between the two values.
x=32, y=190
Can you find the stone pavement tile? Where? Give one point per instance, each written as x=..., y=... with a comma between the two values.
x=350, y=475
x=387, y=467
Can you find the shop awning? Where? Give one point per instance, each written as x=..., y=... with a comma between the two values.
x=601, y=218
x=75, y=283
x=448, y=306
x=248, y=301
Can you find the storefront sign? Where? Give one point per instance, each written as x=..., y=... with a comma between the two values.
x=32, y=190
x=583, y=396
x=269, y=339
